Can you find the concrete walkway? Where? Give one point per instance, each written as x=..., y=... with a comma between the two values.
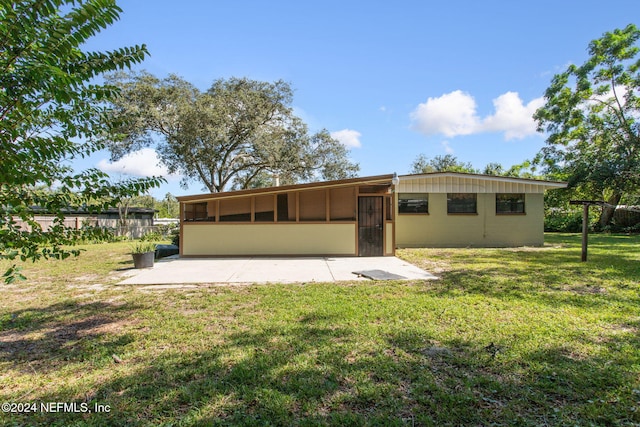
x=269, y=270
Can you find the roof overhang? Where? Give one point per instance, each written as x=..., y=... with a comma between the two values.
x=452, y=181
x=369, y=180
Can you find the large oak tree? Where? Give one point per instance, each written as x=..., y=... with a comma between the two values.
x=236, y=134
x=591, y=118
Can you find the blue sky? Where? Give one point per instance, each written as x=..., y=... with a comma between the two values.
x=391, y=80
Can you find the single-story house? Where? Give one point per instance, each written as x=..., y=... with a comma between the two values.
x=368, y=216
x=449, y=209
x=139, y=220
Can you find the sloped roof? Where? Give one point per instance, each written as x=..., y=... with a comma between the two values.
x=378, y=179
x=459, y=182
x=429, y=182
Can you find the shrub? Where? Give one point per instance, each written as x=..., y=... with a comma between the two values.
x=175, y=236
x=143, y=247
x=557, y=220
x=151, y=236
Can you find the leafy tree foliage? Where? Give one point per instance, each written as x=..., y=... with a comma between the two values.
x=494, y=169
x=168, y=207
x=521, y=170
x=237, y=133
x=591, y=118
x=125, y=204
x=450, y=163
x=447, y=163
x=48, y=104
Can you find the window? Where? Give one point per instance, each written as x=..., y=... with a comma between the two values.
x=465, y=203
x=508, y=203
x=196, y=212
x=411, y=203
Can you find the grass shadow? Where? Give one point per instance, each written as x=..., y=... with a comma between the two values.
x=468, y=382
x=279, y=375
x=62, y=333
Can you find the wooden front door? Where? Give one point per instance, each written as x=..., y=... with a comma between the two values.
x=370, y=226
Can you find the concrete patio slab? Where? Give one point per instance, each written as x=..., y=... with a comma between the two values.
x=269, y=270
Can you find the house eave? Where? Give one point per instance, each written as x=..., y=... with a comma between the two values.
x=378, y=179
x=480, y=177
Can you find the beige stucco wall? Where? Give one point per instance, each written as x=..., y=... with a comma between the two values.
x=268, y=239
x=439, y=229
x=388, y=239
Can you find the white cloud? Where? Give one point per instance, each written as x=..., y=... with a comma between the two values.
x=451, y=114
x=348, y=137
x=142, y=163
x=512, y=117
x=455, y=113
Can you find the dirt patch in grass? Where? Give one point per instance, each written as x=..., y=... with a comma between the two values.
x=86, y=278
x=546, y=247
x=436, y=263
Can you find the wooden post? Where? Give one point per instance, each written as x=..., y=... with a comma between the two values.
x=585, y=221
x=585, y=230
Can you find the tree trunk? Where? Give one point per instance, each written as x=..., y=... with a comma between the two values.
x=607, y=211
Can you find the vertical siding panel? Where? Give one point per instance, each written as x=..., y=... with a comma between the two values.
x=465, y=184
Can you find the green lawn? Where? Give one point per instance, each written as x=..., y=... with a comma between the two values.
x=527, y=336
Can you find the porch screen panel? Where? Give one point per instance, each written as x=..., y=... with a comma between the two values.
x=264, y=208
x=313, y=205
x=342, y=203
x=235, y=210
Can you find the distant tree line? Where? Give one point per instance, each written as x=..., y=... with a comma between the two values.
x=450, y=163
